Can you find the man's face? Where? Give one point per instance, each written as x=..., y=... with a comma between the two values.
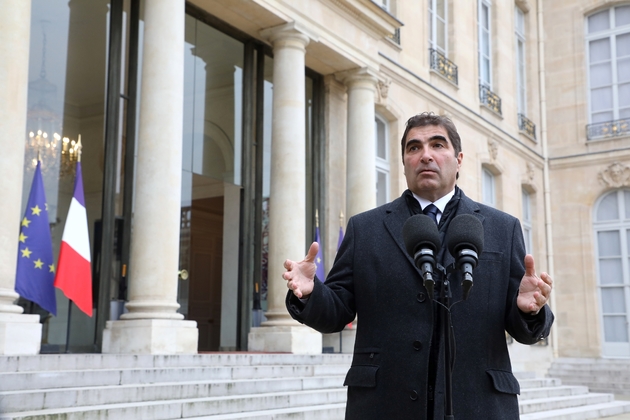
x=430, y=163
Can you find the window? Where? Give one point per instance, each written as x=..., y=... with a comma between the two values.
x=488, y=188
x=608, y=52
x=485, y=51
x=612, y=244
x=521, y=92
x=383, y=3
x=526, y=221
x=438, y=41
x=382, y=161
x=438, y=26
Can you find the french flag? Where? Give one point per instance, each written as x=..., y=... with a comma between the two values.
x=74, y=273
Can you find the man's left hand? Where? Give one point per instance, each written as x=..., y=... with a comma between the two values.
x=534, y=291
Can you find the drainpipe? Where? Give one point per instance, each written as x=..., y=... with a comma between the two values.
x=546, y=188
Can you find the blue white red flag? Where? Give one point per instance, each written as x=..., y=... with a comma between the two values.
x=35, y=264
x=74, y=272
x=319, y=259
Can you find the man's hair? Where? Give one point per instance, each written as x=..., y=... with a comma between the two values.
x=429, y=118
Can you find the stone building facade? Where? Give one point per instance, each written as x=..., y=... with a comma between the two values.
x=219, y=136
x=587, y=65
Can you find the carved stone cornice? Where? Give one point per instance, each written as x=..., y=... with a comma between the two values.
x=615, y=175
x=383, y=88
x=371, y=15
x=360, y=75
x=530, y=174
x=493, y=148
x=293, y=30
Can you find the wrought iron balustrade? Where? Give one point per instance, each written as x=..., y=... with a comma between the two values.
x=395, y=36
x=608, y=129
x=489, y=99
x=443, y=65
x=527, y=126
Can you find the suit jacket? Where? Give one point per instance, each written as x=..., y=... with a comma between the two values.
x=375, y=279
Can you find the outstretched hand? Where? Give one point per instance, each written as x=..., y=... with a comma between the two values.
x=534, y=291
x=300, y=275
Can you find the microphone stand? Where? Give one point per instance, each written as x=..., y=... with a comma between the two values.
x=445, y=298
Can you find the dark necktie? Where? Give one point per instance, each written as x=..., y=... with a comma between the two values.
x=431, y=211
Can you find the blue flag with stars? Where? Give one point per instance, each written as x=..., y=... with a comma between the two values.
x=35, y=264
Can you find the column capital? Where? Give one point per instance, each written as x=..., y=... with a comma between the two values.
x=364, y=76
x=287, y=34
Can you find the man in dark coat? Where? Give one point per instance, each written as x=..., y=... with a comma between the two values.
x=397, y=369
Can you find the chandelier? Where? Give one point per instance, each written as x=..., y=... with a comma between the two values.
x=54, y=151
x=58, y=154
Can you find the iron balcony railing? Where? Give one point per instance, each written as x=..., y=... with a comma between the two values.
x=608, y=129
x=396, y=36
x=443, y=65
x=526, y=126
x=489, y=99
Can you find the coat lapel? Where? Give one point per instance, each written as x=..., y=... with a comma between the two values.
x=468, y=206
x=397, y=213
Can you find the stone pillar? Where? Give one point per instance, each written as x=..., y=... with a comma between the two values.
x=287, y=213
x=361, y=152
x=19, y=333
x=152, y=325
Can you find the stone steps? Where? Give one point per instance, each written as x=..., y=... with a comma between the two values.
x=118, y=377
x=15, y=401
x=528, y=394
x=256, y=404
x=328, y=412
x=270, y=386
x=594, y=411
x=559, y=402
x=601, y=375
x=227, y=386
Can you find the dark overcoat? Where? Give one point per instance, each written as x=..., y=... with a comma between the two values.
x=374, y=278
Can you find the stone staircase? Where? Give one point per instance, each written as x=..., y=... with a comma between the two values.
x=599, y=375
x=225, y=386
x=549, y=398
x=216, y=386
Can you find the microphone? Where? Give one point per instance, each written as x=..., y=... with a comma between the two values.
x=464, y=240
x=422, y=241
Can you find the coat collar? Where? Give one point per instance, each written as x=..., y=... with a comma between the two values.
x=397, y=212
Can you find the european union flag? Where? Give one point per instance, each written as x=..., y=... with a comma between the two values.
x=35, y=265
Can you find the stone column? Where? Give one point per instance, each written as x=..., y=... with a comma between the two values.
x=361, y=152
x=152, y=325
x=287, y=214
x=19, y=333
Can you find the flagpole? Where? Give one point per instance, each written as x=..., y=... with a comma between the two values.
x=340, y=332
x=68, y=327
x=79, y=146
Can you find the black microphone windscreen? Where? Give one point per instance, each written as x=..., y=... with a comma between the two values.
x=420, y=230
x=464, y=230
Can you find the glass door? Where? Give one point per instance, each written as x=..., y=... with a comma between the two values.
x=211, y=184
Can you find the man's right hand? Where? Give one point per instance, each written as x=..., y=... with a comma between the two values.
x=300, y=275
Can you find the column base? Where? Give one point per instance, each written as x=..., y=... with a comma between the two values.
x=150, y=336
x=285, y=339
x=20, y=334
